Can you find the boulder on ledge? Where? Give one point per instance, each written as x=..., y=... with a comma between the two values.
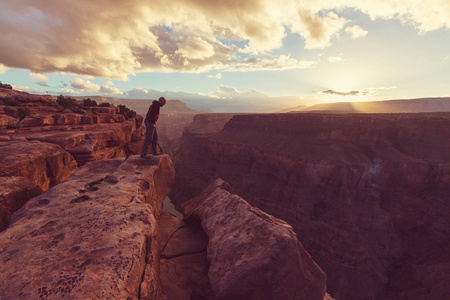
x=253, y=255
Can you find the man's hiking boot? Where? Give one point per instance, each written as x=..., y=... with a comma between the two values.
x=145, y=156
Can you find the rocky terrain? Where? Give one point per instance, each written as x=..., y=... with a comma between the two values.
x=81, y=217
x=367, y=194
x=93, y=236
x=43, y=143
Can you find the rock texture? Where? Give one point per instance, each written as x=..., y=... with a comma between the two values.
x=184, y=265
x=93, y=236
x=39, y=143
x=98, y=133
x=367, y=194
x=26, y=170
x=252, y=254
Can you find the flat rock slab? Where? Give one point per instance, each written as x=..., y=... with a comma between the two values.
x=252, y=254
x=89, y=237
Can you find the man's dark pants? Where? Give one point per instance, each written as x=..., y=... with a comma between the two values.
x=151, y=136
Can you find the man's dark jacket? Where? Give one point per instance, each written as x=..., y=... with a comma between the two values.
x=153, y=113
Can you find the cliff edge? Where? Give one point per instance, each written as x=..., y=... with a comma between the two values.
x=93, y=236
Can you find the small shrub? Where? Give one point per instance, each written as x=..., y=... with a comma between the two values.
x=49, y=103
x=105, y=104
x=23, y=112
x=128, y=113
x=90, y=103
x=11, y=102
x=10, y=110
x=5, y=86
x=13, y=125
x=67, y=101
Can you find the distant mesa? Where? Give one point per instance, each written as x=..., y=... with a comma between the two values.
x=407, y=105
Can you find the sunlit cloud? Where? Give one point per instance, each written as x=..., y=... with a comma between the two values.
x=81, y=84
x=317, y=30
x=27, y=89
x=351, y=93
x=38, y=76
x=70, y=91
x=3, y=69
x=227, y=92
x=42, y=83
x=217, y=76
x=356, y=32
x=138, y=92
x=187, y=35
x=283, y=62
x=21, y=88
x=362, y=92
x=335, y=59
x=110, y=90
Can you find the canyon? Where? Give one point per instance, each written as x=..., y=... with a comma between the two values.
x=275, y=205
x=82, y=218
x=366, y=194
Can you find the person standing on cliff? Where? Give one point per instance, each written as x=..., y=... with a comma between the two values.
x=151, y=136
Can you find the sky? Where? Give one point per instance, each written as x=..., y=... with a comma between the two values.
x=228, y=55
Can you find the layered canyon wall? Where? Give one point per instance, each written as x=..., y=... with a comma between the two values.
x=367, y=194
x=41, y=144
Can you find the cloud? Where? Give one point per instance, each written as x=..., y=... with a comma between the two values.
x=27, y=89
x=317, y=30
x=3, y=69
x=372, y=91
x=229, y=92
x=110, y=90
x=282, y=62
x=138, y=93
x=333, y=59
x=356, y=32
x=195, y=48
x=81, y=84
x=38, y=76
x=70, y=91
x=42, y=83
x=351, y=93
x=217, y=76
x=185, y=36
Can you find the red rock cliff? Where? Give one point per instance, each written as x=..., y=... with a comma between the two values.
x=94, y=236
x=367, y=194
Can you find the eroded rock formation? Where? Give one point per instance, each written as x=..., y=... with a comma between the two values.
x=93, y=236
x=43, y=145
x=367, y=194
x=26, y=170
x=183, y=261
x=252, y=255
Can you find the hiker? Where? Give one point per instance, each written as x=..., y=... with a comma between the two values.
x=151, y=136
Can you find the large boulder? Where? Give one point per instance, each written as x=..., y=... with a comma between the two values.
x=252, y=254
x=93, y=236
x=44, y=164
x=14, y=192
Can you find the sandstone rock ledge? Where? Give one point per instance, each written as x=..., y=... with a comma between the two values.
x=252, y=255
x=93, y=236
x=26, y=170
